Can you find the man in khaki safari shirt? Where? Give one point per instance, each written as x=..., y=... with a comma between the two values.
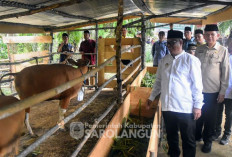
x=215, y=76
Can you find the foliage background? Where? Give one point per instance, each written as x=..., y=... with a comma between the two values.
x=75, y=37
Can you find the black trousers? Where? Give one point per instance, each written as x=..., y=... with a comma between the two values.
x=228, y=111
x=184, y=122
x=208, y=119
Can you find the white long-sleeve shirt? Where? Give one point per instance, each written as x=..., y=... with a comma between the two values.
x=228, y=94
x=179, y=81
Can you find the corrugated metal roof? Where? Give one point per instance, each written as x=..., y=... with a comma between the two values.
x=98, y=9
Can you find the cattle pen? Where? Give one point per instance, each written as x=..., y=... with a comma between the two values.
x=62, y=15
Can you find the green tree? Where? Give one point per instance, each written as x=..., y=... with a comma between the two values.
x=225, y=27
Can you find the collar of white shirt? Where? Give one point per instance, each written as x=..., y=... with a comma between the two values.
x=177, y=56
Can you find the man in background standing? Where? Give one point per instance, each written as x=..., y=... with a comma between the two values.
x=188, y=38
x=227, y=104
x=199, y=38
x=88, y=46
x=215, y=77
x=159, y=49
x=65, y=48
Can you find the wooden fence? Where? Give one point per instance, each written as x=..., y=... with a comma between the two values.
x=106, y=50
x=18, y=57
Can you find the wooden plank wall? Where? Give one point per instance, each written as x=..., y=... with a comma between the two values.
x=20, y=57
x=106, y=50
x=155, y=133
x=27, y=39
x=9, y=40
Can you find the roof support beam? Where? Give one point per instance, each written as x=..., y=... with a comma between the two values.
x=16, y=5
x=167, y=14
x=41, y=9
x=8, y=27
x=142, y=6
x=111, y=19
x=212, y=2
x=218, y=16
x=53, y=11
x=181, y=21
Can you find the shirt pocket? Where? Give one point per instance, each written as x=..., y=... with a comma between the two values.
x=215, y=59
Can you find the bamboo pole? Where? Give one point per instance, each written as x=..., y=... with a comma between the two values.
x=50, y=48
x=118, y=49
x=143, y=32
x=12, y=67
x=103, y=28
x=96, y=57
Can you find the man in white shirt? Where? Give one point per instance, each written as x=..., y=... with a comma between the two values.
x=179, y=81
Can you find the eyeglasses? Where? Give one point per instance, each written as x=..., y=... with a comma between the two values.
x=172, y=42
x=210, y=34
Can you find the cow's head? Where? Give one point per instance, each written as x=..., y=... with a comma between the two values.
x=79, y=62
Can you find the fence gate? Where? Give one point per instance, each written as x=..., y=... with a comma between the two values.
x=106, y=50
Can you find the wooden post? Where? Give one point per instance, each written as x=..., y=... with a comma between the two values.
x=101, y=57
x=143, y=31
x=12, y=67
x=50, y=48
x=118, y=49
x=96, y=51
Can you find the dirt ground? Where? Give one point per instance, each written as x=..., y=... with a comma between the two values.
x=218, y=150
x=45, y=115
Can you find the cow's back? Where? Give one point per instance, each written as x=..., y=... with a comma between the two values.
x=10, y=127
x=39, y=78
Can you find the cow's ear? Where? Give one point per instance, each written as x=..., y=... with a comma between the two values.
x=71, y=61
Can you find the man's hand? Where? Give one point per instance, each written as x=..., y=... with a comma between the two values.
x=148, y=104
x=196, y=113
x=220, y=98
x=60, y=47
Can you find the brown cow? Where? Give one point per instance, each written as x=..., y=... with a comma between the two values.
x=10, y=128
x=39, y=78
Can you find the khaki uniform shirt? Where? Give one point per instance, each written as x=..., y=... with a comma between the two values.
x=214, y=67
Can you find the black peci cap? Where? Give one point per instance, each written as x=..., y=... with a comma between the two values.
x=211, y=27
x=192, y=46
x=175, y=34
x=198, y=31
x=187, y=29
